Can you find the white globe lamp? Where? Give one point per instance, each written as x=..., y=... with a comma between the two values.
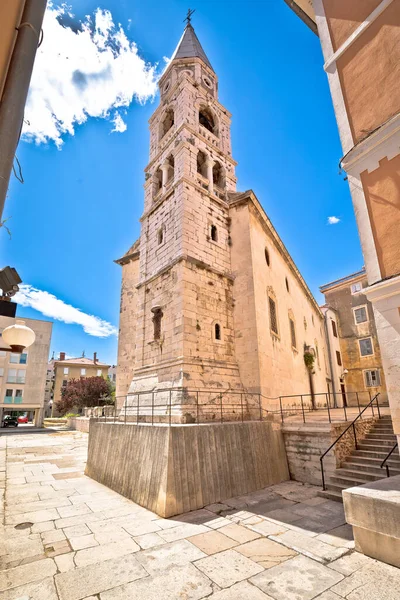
x=18, y=336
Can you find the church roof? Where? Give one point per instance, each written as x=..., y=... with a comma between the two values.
x=190, y=47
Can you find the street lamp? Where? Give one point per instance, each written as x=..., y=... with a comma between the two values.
x=18, y=337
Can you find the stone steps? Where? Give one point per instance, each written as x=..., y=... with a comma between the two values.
x=363, y=465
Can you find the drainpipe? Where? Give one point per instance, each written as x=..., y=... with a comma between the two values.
x=330, y=359
x=16, y=88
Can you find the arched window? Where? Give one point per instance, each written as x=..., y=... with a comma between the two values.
x=160, y=236
x=171, y=168
x=266, y=253
x=206, y=119
x=157, y=317
x=214, y=233
x=202, y=163
x=167, y=122
x=217, y=331
x=218, y=175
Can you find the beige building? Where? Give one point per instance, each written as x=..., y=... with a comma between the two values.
x=353, y=344
x=66, y=369
x=23, y=376
x=211, y=298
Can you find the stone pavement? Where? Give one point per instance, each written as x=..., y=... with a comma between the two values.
x=67, y=537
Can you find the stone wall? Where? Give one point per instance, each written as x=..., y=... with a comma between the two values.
x=172, y=470
x=306, y=442
x=79, y=424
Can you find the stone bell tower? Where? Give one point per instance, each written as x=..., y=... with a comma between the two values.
x=176, y=328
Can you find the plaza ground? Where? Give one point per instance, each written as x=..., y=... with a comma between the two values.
x=67, y=537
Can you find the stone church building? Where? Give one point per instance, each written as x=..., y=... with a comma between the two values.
x=211, y=298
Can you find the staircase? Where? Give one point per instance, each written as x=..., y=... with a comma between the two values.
x=363, y=465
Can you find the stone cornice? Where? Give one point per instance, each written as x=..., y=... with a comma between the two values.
x=384, y=142
x=184, y=258
x=249, y=197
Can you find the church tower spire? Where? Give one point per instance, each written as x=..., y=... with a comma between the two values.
x=183, y=283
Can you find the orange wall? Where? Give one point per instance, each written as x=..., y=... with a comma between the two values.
x=344, y=16
x=369, y=72
x=382, y=193
x=10, y=14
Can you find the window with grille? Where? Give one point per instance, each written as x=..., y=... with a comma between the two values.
x=292, y=333
x=366, y=348
x=273, y=320
x=334, y=328
x=360, y=314
x=338, y=358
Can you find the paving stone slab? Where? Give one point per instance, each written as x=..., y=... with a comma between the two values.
x=266, y=527
x=239, y=533
x=163, y=557
x=227, y=568
x=65, y=562
x=97, y=554
x=340, y=536
x=212, y=542
x=93, y=579
x=241, y=591
x=351, y=562
x=18, y=576
x=180, y=532
x=41, y=590
x=149, y=540
x=183, y=583
x=371, y=582
x=265, y=552
x=297, y=579
x=310, y=547
x=83, y=541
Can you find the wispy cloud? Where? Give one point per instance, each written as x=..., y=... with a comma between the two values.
x=333, y=220
x=83, y=69
x=51, y=306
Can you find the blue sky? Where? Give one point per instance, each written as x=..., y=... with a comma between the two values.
x=82, y=196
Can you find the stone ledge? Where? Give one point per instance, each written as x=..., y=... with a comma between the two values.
x=373, y=510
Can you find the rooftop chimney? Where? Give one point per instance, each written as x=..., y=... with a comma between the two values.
x=95, y=357
x=62, y=355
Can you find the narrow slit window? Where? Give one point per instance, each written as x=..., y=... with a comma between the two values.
x=217, y=331
x=334, y=329
x=292, y=333
x=338, y=358
x=160, y=236
x=214, y=233
x=157, y=318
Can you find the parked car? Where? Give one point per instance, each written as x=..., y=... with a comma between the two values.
x=23, y=419
x=9, y=421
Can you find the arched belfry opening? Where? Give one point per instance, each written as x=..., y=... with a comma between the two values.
x=207, y=120
x=218, y=175
x=202, y=163
x=167, y=122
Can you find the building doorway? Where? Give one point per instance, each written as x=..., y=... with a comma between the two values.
x=343, y=391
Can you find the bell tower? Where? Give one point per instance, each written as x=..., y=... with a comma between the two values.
x=183, y=328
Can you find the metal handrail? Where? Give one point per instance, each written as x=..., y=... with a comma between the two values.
x=387, y=458
x=321, y=458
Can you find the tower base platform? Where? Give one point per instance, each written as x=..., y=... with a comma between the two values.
x=175, y=469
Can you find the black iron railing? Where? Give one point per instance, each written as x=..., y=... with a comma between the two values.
x=384, y=462
x=351, y=426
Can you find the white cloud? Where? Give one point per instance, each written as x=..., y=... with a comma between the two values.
x=51, y=306
x=333, y=220
x=119, y=124
x=83, y=69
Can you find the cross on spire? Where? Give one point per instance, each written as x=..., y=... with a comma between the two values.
x=189, y=16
